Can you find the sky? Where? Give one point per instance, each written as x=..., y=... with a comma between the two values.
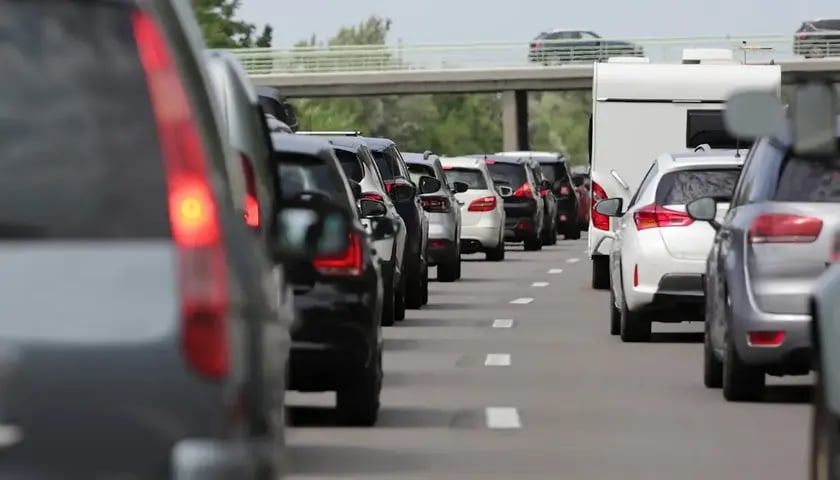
x=462, y=21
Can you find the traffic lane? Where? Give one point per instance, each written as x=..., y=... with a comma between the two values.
x=589, y=405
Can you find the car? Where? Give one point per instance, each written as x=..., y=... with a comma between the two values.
x=337, y=337
x=581, y=183
x=818, y=38
x=524, y=211
x=360, y=168
x=571, y=45
x=444, y=214
x=276, y=104
x=275, y=125
x=560, y=189
x=406, y=196
x=482, y=206
x=768, y=253
x=825, y=416
x=659, y=253
x=126, y=222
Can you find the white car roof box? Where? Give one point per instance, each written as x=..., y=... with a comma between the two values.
x=707, y=55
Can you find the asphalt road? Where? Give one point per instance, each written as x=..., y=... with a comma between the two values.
x=553, y=396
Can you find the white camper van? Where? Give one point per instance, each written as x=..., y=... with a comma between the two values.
x=640, y=111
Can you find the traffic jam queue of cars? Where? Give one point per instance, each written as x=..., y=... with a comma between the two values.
x=176, y=258
x=723, y=208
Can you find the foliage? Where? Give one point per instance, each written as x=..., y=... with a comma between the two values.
x=222, y=30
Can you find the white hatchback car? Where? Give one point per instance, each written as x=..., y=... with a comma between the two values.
x=482, y=206
x=658, y=258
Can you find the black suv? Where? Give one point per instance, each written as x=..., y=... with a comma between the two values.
x=395, y=173
x=337, y=335
x=556, y=171
x=524, y=211
x=566, y=46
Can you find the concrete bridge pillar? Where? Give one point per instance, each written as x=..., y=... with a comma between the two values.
x=515, y=133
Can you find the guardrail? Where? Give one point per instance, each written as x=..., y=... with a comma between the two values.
x=382, y=58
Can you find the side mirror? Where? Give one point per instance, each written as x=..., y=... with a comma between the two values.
x=611, y=207
x=382, y=228
x=355, y=189
x=750, y=115
x=372, y=208
x=504, y=190
x=402, y=192
x=460, y=187
x=304, y=230
x=429, y=184
x=704, y=210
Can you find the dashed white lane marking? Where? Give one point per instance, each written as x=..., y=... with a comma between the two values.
x=539, y=284
x=497, y=360
x=573, y=260
x=503, y=323
x=522, y=301
x=502, y=417
x=555, y=271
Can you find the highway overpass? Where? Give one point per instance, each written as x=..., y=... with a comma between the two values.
x=360, y=70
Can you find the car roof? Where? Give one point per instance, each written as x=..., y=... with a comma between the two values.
x=501, y=158
x=542, y=157
x=711, y=158
x=302, y=144
x=414, y=157
x=377, y=144
x=462, y=162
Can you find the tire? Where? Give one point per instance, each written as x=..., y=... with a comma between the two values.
x=741, y=382
x=825, y=438
x=414, y=288
x=388, y=310
x=449, y=271
x=635, y=328
x=600, y=272
x=358, y=404
x=497, y=253
x=399, y=300
x=572, y=232
x=553, y=234
x=615, y=316
x=533, y=244
x=426, y=292
x=545, y=235
x=712, y=366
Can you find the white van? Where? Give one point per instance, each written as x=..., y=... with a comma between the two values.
x=642, y=110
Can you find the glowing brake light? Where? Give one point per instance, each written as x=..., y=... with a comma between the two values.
x=252, y=204
x=373, y=196
x=784, y=228
x=599, y=220
x=202, y=262
x=524, y=190
x=348, y=263
x=388, y=187
x=655, y=216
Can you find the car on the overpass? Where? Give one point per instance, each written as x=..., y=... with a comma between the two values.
x=560, y=46
x=818, y=38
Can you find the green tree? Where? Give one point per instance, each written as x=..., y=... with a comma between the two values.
x=221, y=29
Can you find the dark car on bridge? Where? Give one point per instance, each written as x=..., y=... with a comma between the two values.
x=818, y=38
x=567, y=46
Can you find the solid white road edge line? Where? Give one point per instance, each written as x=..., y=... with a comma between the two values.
x=555, y=271
x=522, y=301
x=502, y=417
x=503, y=323
x=539, y=284
x=573, y=260
x=497, y=360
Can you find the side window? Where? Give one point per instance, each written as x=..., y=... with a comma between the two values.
x=649, y=176
x=588, y=35
x=762, y=162
x=397, y=161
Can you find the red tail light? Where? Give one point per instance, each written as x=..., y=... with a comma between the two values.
x=599, y=221
x=435, y=204
x=202, y=266
x=373, y=196
x=388, y=187
x=784, y=228
x=483, y=204
x=348, y=263
x=252, y=204
x=564, y=190
x=538, y=44
x=447, y=167
x=636, y=276
x=543, y=192
x=524, y=191
x=655, y=216
x=801, y=35
x=490, y=162
x=766, y=338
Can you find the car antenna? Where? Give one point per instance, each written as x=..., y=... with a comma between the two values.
x=737, y=147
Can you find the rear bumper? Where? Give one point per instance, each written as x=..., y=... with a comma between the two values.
x=518, y=229
x=476, y=238
x=334, y=338
x=677, y=292
x=440, y=251
x=442, y=226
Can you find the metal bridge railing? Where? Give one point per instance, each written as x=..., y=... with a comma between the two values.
x=385, y=58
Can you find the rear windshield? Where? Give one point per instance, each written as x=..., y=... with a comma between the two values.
x=350, y=164
x=555, y=172
x=385, y=165
x=508, y=172
x=306, y=173
x=473, y=178
x=416, y=171
x=682, y=187
x=827, y=24
x=809, y=181
x=79, y=155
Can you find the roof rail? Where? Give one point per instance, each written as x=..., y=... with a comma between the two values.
x=703, y=147
x=331, y=133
